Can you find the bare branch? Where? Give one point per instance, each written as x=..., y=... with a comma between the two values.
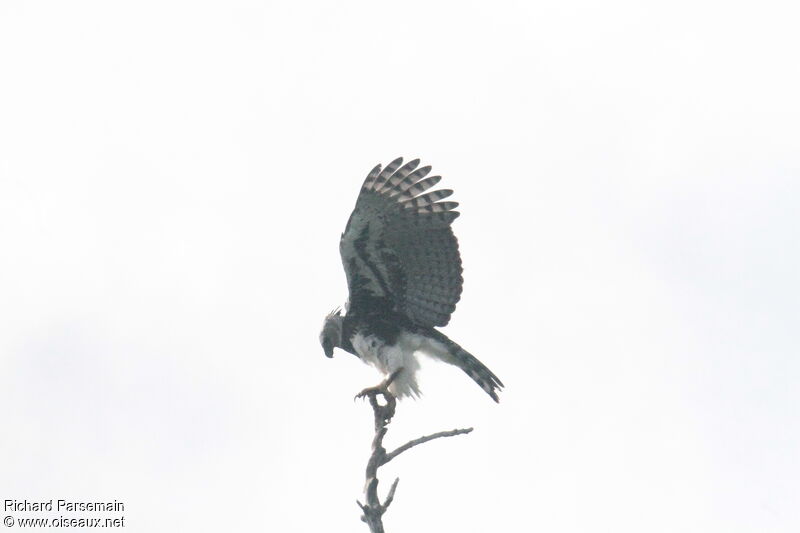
x=410, y=444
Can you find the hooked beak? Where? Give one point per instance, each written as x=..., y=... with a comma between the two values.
x=327, y=345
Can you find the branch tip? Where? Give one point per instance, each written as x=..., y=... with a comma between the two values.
x=390, y=496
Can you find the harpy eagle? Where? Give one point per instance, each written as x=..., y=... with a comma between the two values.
x=404, y=279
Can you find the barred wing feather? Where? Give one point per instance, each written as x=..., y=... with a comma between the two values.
x=398, y=248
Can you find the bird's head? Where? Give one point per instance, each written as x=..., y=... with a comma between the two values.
x=331, y=335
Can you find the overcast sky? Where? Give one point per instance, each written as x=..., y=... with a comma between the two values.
x=174, y=178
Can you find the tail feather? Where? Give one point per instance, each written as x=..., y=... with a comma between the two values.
x=451, y=352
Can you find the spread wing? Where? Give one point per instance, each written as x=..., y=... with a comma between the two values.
x=398, y=248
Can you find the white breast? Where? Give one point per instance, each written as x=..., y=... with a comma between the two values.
x=388, y=358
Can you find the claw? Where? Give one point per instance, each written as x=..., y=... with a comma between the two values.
x=385, y=412
x=373, y=391
x=382, y=388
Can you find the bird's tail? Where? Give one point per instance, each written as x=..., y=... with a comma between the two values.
x=458, y=356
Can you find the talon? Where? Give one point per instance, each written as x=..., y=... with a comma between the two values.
x=373, y=391
x=366, y=392
x=382, y=388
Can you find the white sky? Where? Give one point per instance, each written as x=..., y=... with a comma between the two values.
x=174, y=177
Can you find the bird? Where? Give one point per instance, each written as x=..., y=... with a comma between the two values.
x=404, y=278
